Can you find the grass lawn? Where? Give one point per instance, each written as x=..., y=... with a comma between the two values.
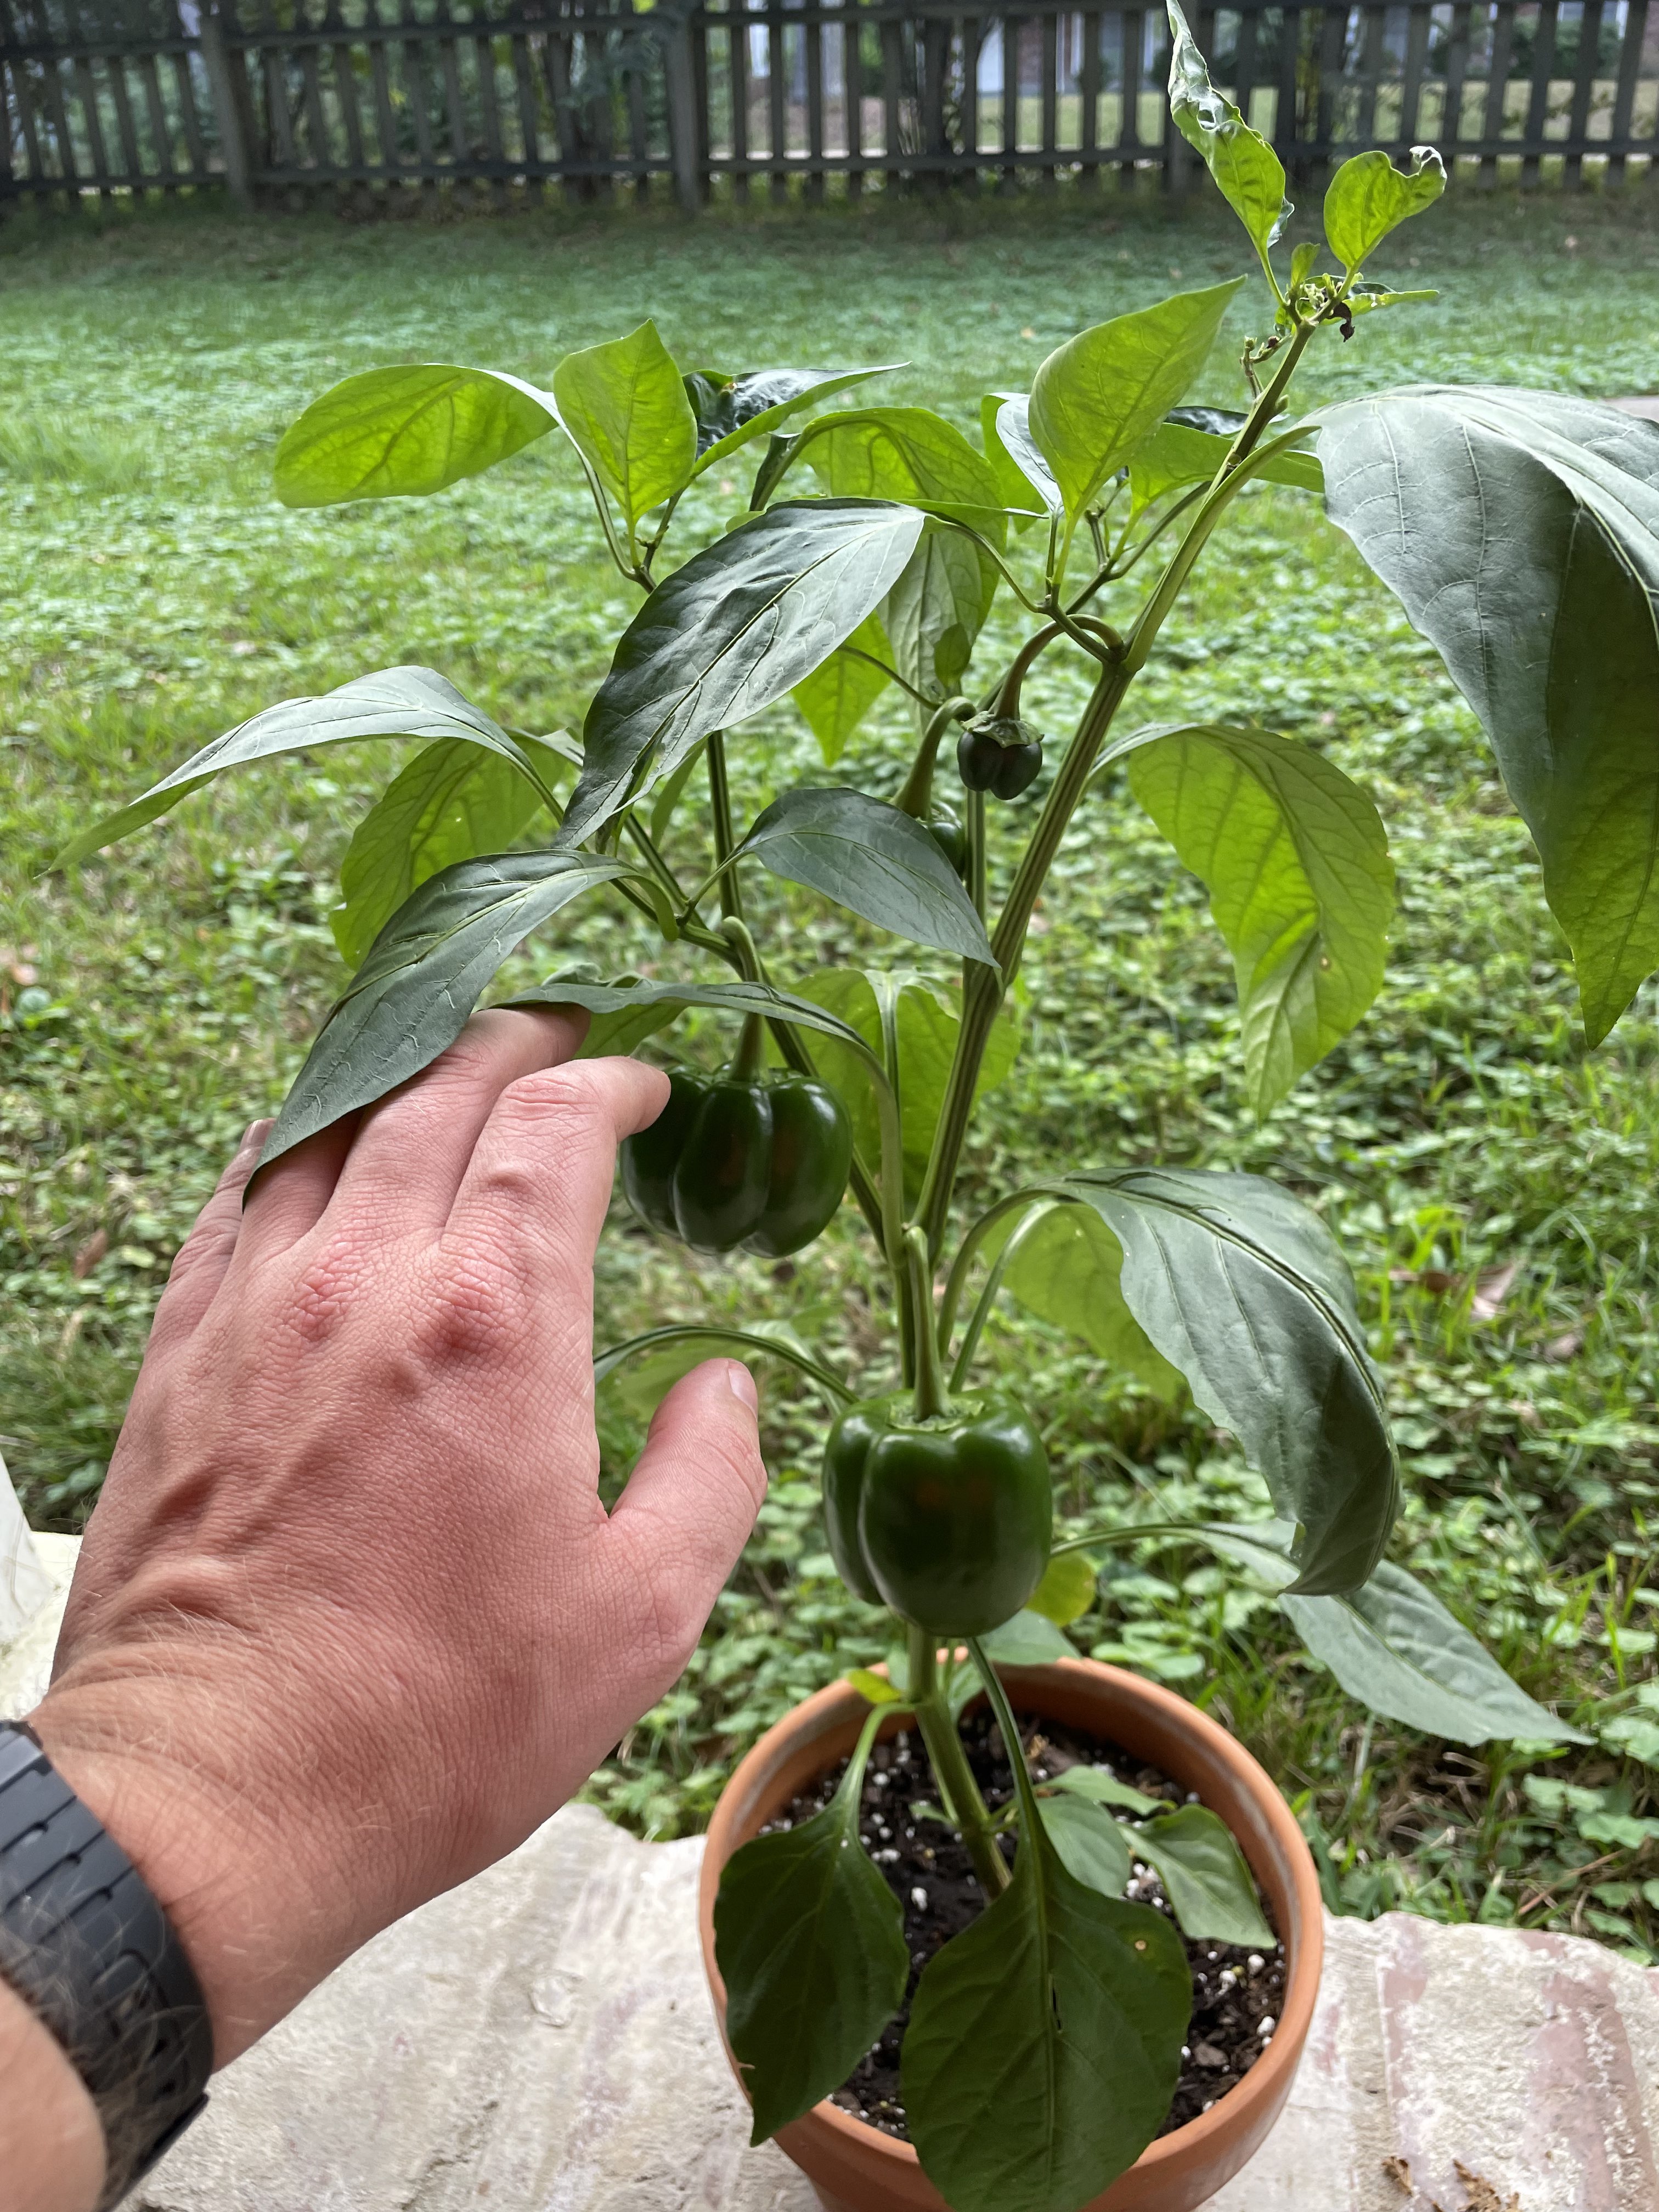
x=153, y=594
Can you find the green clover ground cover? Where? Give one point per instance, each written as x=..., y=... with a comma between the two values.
x=1491, y=1184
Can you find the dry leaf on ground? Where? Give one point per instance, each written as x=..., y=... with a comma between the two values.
x=1491, y=1287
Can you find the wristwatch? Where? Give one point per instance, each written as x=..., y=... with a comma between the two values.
x=83, y=1941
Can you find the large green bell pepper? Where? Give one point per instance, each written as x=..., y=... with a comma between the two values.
x=759, y=1162
x=946, y=1520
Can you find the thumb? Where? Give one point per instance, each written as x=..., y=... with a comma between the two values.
x=678, y=1529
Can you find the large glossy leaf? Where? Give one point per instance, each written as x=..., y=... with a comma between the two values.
x=1246, y=1294
x=396, y=702
x=907, y=453
x=923, y=1018
x=1105, y=391
x=1066, y=1268
x=1044, y=2043
x=935, y=611
x=1393, y=1646
x=1092, y=1846
x=1368, y=197
x=868, y=856
x=400, y=433
x=1520, y=531
x=626, y=1012
x=625, y=407
x=810, y=1943
x=733, y=410
x=1250, y=175
x=841, y=691
x=452, y=802
x=739, y=626
x=1181, y=452
x=1209, y=1886
x=410, y=999
x=1296, y=861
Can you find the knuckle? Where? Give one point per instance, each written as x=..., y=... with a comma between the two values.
x=479, y=1304
x=325, y=1288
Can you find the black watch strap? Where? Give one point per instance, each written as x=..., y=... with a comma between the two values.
x=84, y=1942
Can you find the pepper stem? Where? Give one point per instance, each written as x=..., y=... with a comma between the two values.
x=955, y=1777
x=918, y=792
x=931, y=1398
x=750, y=1058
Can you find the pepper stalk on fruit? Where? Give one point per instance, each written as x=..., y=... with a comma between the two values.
x=876, y=539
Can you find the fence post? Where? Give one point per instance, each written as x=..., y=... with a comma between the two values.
x=685, y=138
x=226, y=109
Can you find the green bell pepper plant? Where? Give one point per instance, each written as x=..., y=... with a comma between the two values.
x=875, y=539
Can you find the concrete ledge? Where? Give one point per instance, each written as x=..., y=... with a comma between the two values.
x=540, y=2040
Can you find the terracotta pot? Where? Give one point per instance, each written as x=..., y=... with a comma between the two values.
x=855, y=2168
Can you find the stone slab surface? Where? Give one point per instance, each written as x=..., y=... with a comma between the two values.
x=540, y=2040
x=24, y=1587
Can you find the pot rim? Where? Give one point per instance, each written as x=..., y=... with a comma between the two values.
x=1268, y=2080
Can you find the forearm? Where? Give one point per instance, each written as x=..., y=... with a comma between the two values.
x=53, y=2145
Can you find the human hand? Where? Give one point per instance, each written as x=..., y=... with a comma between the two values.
x=349, y=1620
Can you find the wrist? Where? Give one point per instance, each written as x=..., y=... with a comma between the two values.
x=128, y=1750
x=54, y=2140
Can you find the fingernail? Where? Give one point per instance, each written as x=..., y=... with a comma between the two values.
x=741, y=1383
x=255, y=1133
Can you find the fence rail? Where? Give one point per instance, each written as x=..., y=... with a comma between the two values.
x=598, y=95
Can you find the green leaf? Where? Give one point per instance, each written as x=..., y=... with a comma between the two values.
x=1521, y=531
x=876, y=1688
x=870, y=857
x=924, y=1017
x=1022, y=474
x=733, y=410
x=1091, y=1844
x=1067, y=1588
x=1066, y=1269
x=628, y=1011
x=1044, y=2043
x=669, y=793
x=410, y=999
x=1250, y=175
x=626, y=410
x=1395, y=1647
x=906, y=454
x=1028, y=1640
x=810, y=1943
x=402, y=433
x=1101, y=1788
x=1211, y=1890
x=735, y=629
x=641, y=1371
x=395, y=702
x=1105, y=391
x=839, y=693
x=1296, y=861
x=1368, y=197
x=452, y=802
x=1245, y=1291
x=1179, y=454
x=936, y=609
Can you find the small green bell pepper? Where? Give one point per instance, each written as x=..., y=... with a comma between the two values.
x=946, y=1520
x=948, y=834
x=759, y=1162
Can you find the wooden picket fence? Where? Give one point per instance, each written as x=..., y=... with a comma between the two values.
x=267, y=96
